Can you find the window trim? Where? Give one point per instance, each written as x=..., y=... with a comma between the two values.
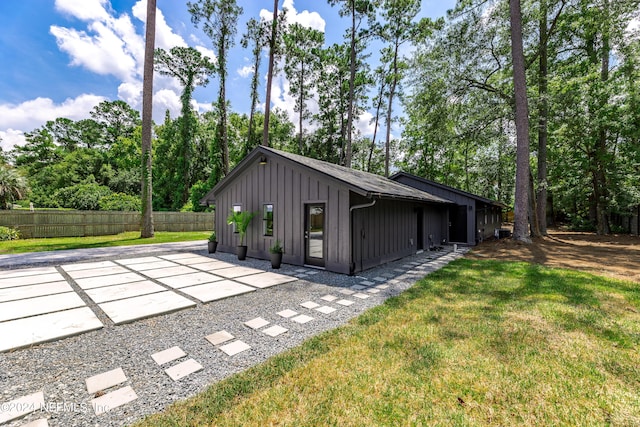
x=266, y=220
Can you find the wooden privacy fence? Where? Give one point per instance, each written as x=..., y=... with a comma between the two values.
x=38, y=224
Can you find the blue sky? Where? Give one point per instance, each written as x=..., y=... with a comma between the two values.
x=62, y=57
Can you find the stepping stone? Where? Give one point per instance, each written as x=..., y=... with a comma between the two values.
x=301, y=276
x=265, y=280
x=105, y=380
x=183, y=369
x=256, y=323
x=233, y=272
x=168, y=355
x=329, y=298
x=23, y=292
x=30, y=280
x=310, y=305
x=287, y=313
x=326, y=309
x=397, y=270
x=217, y=290
x=387, y=275
x=21, y=406
x=310, y=273
x=152, y=265
x=113, y=400
x=363, y=284
x=361, y=296
x=87, y=265
x=175, y=257
x=42, y=422
x=379, y=279
x=169, y=271
x=113, y=279
x=135, y=308
x=39, y=305
x=235, y=347
x=45, y=327
x=139, y=260
x=301, y=270
x=211, y=265
x=95, y=272
x=345, y=302
x=347, y=292
x=382, y=287
x=219, y=337
x=184, y=280
x=303, y=318
x=275, y=330
x=358, y=287
x=7, y=274
x=126, y=290
x=393, y=281
x=373, y=291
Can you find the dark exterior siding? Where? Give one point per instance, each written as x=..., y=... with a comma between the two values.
x=288, y=187
x=478, y=227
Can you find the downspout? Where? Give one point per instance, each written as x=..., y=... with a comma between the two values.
x=352, y=265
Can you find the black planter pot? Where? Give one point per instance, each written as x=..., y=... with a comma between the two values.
x=276, y=260
x=242, y=252
x=212, y=246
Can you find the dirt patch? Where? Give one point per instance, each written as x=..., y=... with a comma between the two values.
x=615, y=256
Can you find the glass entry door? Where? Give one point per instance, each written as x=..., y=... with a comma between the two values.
x=314, y=234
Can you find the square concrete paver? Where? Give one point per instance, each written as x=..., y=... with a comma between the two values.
x=363, y=283
x=216, y=290
x=303, y=318
x=373, y=291
x=344, y=302
x=177, y=257
x=347, y=291
x=21, y=406
x=30, y=291
x=329, y=298
x=105, y=380
x=193, y=259
x=95, y=272
x=361, y=296
x=183, y=280
x=113, y=279
x=359, y=287
x=264, y=280
x=126, y=290
x=310, y=304
x=235, y=347
x=233, y=272
x=39, y=305
x=275, y=330
x=287, y=313
x=183, y=369
x=256, y=323
x=380, y=279
x=168, y=355
x=45, y=327
x=139, y=260
x=211, y=265
x=113, y=400
x=30, y=280
x=326, y=309
x=169, y=271
x=219, y=337
x=382, y=287
x=129, y=309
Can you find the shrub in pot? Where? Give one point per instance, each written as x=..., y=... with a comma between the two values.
x=276, y=251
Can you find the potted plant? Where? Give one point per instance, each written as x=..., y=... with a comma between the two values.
x=276, y=254
x=241, y=222
x=213, y=243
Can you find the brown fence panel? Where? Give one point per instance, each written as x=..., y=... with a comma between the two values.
x=98, y=223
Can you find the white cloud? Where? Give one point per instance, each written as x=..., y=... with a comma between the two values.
x=207, y=52
x=85, y=10
x=245, y=71
x=10, y=138
x=304, y=18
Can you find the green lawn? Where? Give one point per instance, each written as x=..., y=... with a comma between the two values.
x=478, y=343
x=123, y=239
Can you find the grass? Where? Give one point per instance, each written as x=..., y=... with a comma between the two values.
x=123, y=239
x=477, y=343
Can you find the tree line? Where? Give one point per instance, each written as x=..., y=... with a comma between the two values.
x=448, y=83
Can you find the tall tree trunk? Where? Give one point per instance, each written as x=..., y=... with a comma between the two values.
x=300, y=108
x=272, y=47
x=224, y=137
x=521, y=207
x=601, y=155
x=543, y=115
x=147, y=121
x=392, y=90
x=352, y=80
x=534, y=221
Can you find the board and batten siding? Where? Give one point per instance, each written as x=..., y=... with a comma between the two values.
x=289, y=187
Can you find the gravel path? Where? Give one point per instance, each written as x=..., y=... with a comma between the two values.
x=59, y=368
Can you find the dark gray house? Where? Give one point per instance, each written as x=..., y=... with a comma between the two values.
x=325, y=215
x=471, y=219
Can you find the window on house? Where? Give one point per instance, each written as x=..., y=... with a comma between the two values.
x=236, y=208
x=267, y=219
